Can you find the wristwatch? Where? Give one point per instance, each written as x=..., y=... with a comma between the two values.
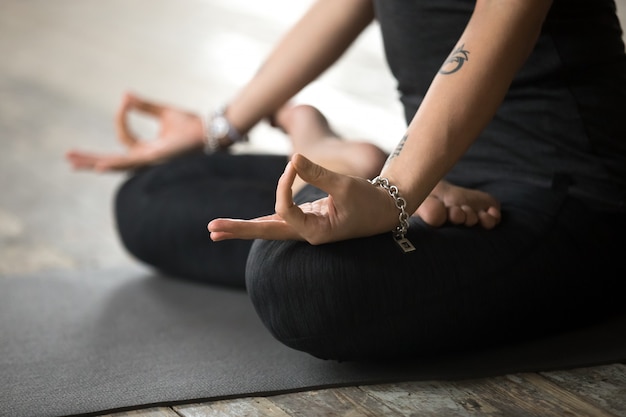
x=219, y=133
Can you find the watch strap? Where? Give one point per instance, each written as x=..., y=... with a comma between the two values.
x=212, y=139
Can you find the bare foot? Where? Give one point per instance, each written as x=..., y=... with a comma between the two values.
x=312, y=136
x=305, y=124
x=458, y=205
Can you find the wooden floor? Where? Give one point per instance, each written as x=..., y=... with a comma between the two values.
x=63, y=68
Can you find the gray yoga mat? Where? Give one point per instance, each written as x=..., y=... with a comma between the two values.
x=83, y=342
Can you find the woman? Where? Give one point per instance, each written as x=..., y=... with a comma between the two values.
x=513, y=161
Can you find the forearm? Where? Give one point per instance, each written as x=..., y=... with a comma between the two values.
x=465, y=94
x=319, y=38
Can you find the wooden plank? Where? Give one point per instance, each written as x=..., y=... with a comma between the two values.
x=148, y=412
x=344, y=402
x=568, y=397
x=603, y=386
x=243, y=407
x=510, y=396
x=432, y=399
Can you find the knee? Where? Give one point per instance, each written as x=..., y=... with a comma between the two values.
x=125, y=216
x=129, y=214
x=311, y=298
x=277, y=286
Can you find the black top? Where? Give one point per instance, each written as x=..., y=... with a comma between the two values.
x=565, y=111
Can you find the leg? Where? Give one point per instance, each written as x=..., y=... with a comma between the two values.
x=312, y=136
x=463, y=288
x=162, y=212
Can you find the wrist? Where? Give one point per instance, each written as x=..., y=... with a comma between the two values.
x=219, y=133
x=415, y=184
x=399, y=232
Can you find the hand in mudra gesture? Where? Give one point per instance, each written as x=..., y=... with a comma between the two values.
x=179, y=132
x=353, y=208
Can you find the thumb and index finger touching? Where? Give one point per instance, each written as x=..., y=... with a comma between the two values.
x=104, y=162
x=132, y=102
x=313, y=221
x=289, y=222
x=314, y=174
x=310, y=173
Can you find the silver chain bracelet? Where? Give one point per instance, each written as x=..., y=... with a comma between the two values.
x=400, y=231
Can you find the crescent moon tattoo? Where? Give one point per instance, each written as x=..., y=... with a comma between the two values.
x=455, y=61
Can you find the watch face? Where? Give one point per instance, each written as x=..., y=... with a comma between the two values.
x=219, y=127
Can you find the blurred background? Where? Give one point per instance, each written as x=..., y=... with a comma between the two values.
x=66, y=63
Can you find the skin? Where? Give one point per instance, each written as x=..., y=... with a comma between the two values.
x=180, y=132
x=460, y=102
x=458, y=105
x=312, y=136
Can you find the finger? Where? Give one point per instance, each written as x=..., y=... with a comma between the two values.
x=101, y=162
x=223, y=223
x=116, y=163
x=314, y=174
x=80, y=160
x=132, y=102
x=124, y=134
x=85, y=160
x=77, y=155
x=148, y=107
x=271, y=228
x=268, y=217
x=285, y=207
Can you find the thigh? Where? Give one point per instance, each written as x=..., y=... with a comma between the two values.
x=462, y=287
x=162, y=212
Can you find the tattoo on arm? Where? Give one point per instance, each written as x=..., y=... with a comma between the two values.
x=398, y=148
x=455, y=61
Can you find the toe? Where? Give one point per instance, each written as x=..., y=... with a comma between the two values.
x=471, y=217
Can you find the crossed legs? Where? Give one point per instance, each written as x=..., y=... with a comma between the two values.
x=162, y=211
x=312, y=136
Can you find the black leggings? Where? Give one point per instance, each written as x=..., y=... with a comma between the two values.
x=550, y=264
x=162, y=212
